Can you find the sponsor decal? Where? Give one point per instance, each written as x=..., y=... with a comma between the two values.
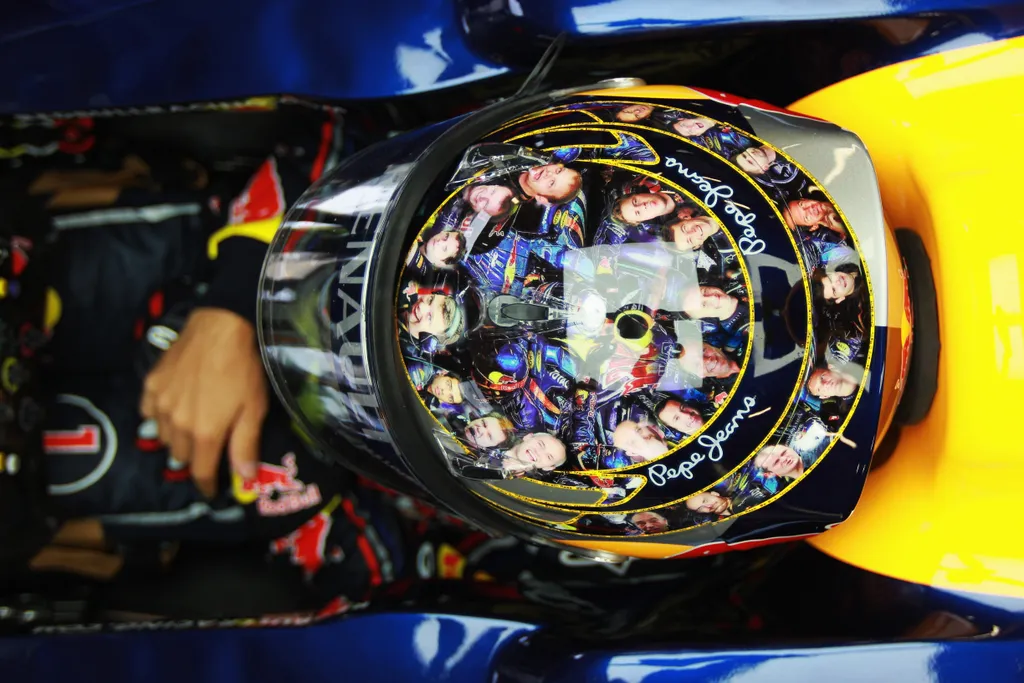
x=262, y=198
x=276, y=489
x=307, y=545
x=89, y=437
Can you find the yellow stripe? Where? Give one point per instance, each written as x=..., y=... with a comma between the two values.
x=262, y=231
x=329, y=509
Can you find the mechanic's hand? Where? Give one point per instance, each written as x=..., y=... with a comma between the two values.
x=209, y=390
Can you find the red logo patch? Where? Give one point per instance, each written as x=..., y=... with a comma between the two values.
x=306, y=544
x=276, y=490
x=262, y=198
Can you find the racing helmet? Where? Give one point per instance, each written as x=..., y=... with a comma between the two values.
x=629, y=320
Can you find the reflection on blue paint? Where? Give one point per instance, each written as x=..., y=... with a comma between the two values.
x=594, y=17
x=366, y=648
x=984, y=607
x=95, y=53
x=436, y=647
x=967, y=661
x=102, y=53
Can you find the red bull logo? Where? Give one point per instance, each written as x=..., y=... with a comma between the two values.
x=277, y=490
x=263, y=198
x=306, y=545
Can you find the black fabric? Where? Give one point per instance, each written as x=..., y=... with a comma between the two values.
x=26, y=520
x=237, y=277
x=311, y=140
x=211, y=582
x=140, y=493
x=131, y=262
x=106, y=275
x=313, y=522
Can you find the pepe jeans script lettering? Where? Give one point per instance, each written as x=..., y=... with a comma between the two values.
x=749, y=243
x=660, y=474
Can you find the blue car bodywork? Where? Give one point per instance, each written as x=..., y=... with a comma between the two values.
x=95, y=54
x=91, y=54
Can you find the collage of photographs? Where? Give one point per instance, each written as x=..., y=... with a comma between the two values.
x=571, y=316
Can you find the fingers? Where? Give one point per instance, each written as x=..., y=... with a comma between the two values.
x=205, y=460
x=174, y=428
x=206, y=392
x=150, y=391
x=207, y=446
x=197, y=446
x=244, y=443
x=147, y=406
x=177, y=439
x=180, y=443
x=165, y=433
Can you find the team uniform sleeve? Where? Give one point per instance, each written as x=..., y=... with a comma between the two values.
x=236, y=279
x=237, y=249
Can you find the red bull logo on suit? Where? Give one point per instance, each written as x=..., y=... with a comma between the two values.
x=276, y=489
x=306, y=545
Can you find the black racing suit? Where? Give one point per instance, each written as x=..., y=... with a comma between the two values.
x=128, y=276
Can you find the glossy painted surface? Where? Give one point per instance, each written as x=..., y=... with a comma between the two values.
x=72, y=55
x=909, y=662
x=945, y=510
x=791, y=37
x=979, y=521
x=599, y=17
x=384, y=647
x=720, y=619
x=422, y=647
